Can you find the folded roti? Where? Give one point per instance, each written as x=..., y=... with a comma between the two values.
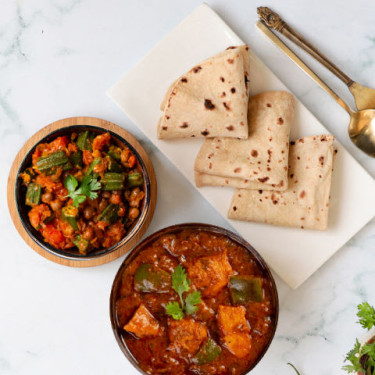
x=210, y=100
x=261, y=161
x=305, y=203
x=204, y=179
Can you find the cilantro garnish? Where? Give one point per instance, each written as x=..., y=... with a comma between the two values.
x=87, y=189
x=362, y=358
x=181, y=284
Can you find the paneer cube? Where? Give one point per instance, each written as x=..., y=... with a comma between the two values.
x=210, y=273
x=235, y=330
x=186, y=335
x=143, y=324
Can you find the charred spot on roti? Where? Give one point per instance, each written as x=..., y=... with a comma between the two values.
x=269, y=152
x=165, y=127
x=218, y=147
x=302, y=218
x=167, y=117
x=184, y=125
x=264, y=179
x=281, y=183
x=231, y=47
x=226, y=106
x=197, y=69
x=268, y=169
x=280, y=121
x=242, y=124
x=282, y=151
x=230, y=127
x=208, y=104
x=301, y=140
x=323, y=138
x=302, y=194
x=320, y=176
x=226, y=181
x=192, y=136
x=223, y=94
x=246, y=80
x=270, y=139
x=230, y=61
x=247, y=48
x=255, y=172
x=260, y=191
x=269, y=105
x=254, y=153
x=222, y=79
x=205, y=132
x=292, y=175
x=321, y=160
x=285, y=168
x=184, y=80
x=259, y=162
x=232, y=90
x=298, y=158
x=336, y=150
x=210, y=166
x=234, y=208
x=302, y=227
x=237, y=170
x=239, y=195
x=211, y=155
x=292, y=143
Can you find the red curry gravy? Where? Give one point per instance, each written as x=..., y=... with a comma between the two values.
x=235, y=320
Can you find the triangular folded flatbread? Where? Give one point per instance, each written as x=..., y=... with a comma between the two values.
x=259, y=162
x=210, y=100
x=305, y=203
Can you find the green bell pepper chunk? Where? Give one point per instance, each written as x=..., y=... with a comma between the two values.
x=147, y=279
x=207, y=353
x=244, y=289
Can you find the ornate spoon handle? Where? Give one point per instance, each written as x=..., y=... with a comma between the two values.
x=274, y=21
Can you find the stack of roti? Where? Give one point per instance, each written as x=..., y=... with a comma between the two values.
x=247, y=144
x=210, y=100
x=259, y=162
x=306, y=201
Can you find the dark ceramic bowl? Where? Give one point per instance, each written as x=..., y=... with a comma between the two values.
x=175, y=229
x=20, y=193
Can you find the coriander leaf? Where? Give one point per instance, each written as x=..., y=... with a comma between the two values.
x=353, y=358
x=174, y=310
x=366, y=315
x=180, y=282
x=70, y=183
x=78, y=199
x=192, y=301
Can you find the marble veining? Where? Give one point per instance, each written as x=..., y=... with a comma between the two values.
x=57, y=59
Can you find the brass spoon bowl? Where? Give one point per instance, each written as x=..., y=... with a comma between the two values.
x=362, y=123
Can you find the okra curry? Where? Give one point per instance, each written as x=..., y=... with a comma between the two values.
x=84, y=191
x=195, y=302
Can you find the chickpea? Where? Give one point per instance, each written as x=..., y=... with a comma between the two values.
x=88, y=234
x=133, y=213
x=88, y=212
x=56, y=205
x=47, y=197
x=135, y=197
x=106, y=194
x=102, y=205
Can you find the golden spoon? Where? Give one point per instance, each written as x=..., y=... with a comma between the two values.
x=364, y=96
x=362, y=123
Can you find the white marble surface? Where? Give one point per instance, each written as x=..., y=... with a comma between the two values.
x=57, y=58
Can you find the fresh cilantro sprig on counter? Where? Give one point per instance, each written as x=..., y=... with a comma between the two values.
x=181, y=284
x=362, y=358
x=366, y=315
x=87, y=188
